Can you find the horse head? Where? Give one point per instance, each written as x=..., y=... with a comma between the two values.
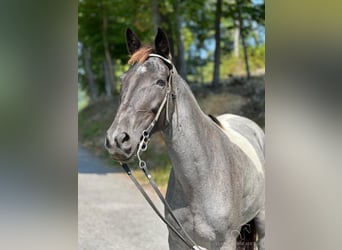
x=145, y=95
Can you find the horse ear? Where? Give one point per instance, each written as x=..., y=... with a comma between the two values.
x=132, y=41
x=161, y=44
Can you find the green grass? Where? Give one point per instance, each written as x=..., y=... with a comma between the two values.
x=89, y=129
x=231, y=65
x=157, y=161
x=160, y=176
x=83, y=99
x=92, y=129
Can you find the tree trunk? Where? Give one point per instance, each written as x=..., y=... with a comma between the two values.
x=90, y=75
x=216, y=76
x=202, y=75
x=108, y=85
x=243, y=41
x=107, y=51
x=168, y=25
x=156, y=14
x=180, y=59
x=236, y=38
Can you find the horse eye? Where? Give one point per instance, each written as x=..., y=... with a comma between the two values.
x=161, y=83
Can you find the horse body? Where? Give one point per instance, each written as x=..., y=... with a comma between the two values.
x=214, y=188
x=217, y=179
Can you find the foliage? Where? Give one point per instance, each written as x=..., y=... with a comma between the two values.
x=91, y=33
x=189, y=24
x=232, y=66
x=196, y=30
x=83, y=99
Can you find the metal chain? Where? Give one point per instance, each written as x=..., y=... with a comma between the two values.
x=142, y=148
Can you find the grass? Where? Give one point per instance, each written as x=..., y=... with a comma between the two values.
x=231, y=65
x=83, y=99
x=157, y=161
x=160, y=176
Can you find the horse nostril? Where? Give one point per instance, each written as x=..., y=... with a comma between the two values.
x=107, y=143
x=124, y=137
x=121, y=141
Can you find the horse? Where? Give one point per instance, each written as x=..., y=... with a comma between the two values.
x=217, y=179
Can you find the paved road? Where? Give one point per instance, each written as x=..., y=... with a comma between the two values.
x=112, y=214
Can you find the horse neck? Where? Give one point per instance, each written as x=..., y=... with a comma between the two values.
x=186, y=113
x=188, y=133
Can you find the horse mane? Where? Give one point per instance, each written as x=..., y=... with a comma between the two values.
x=141, y=55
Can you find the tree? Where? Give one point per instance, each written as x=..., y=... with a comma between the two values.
x=246, y=16
x=180, y=59
x=109, y=72
x=189, y=25
x=89, y=74
x=216, y=75
x=236, y=38
x=242, y=32
x=101, y=29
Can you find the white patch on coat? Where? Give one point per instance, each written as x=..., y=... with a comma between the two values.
x=142, y=69
x=242, y=142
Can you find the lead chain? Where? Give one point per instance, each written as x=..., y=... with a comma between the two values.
x=143, y=147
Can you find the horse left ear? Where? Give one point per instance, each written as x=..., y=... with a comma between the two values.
x=132, y=41
x=161, y=43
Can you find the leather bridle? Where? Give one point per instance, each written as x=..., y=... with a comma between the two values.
x=180, y=232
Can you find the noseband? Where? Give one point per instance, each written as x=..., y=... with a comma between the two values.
x=180, y=232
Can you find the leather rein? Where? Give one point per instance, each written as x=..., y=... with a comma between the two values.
x=180, y=232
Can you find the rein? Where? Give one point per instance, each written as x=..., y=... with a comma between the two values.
x=185, y=238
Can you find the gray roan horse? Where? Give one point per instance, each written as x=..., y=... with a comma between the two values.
x=217, y=182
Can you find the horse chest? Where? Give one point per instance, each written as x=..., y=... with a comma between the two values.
x=203, y=208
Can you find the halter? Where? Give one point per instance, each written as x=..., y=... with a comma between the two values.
x=142, y=164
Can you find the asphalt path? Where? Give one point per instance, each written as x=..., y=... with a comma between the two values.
x=112, y=214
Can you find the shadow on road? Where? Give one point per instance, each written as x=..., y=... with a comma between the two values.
x=90, y=164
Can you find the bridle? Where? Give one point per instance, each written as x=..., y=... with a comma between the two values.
x=165, y=101
x=180, y=232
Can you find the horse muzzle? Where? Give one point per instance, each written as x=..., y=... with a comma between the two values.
x=120, y=146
